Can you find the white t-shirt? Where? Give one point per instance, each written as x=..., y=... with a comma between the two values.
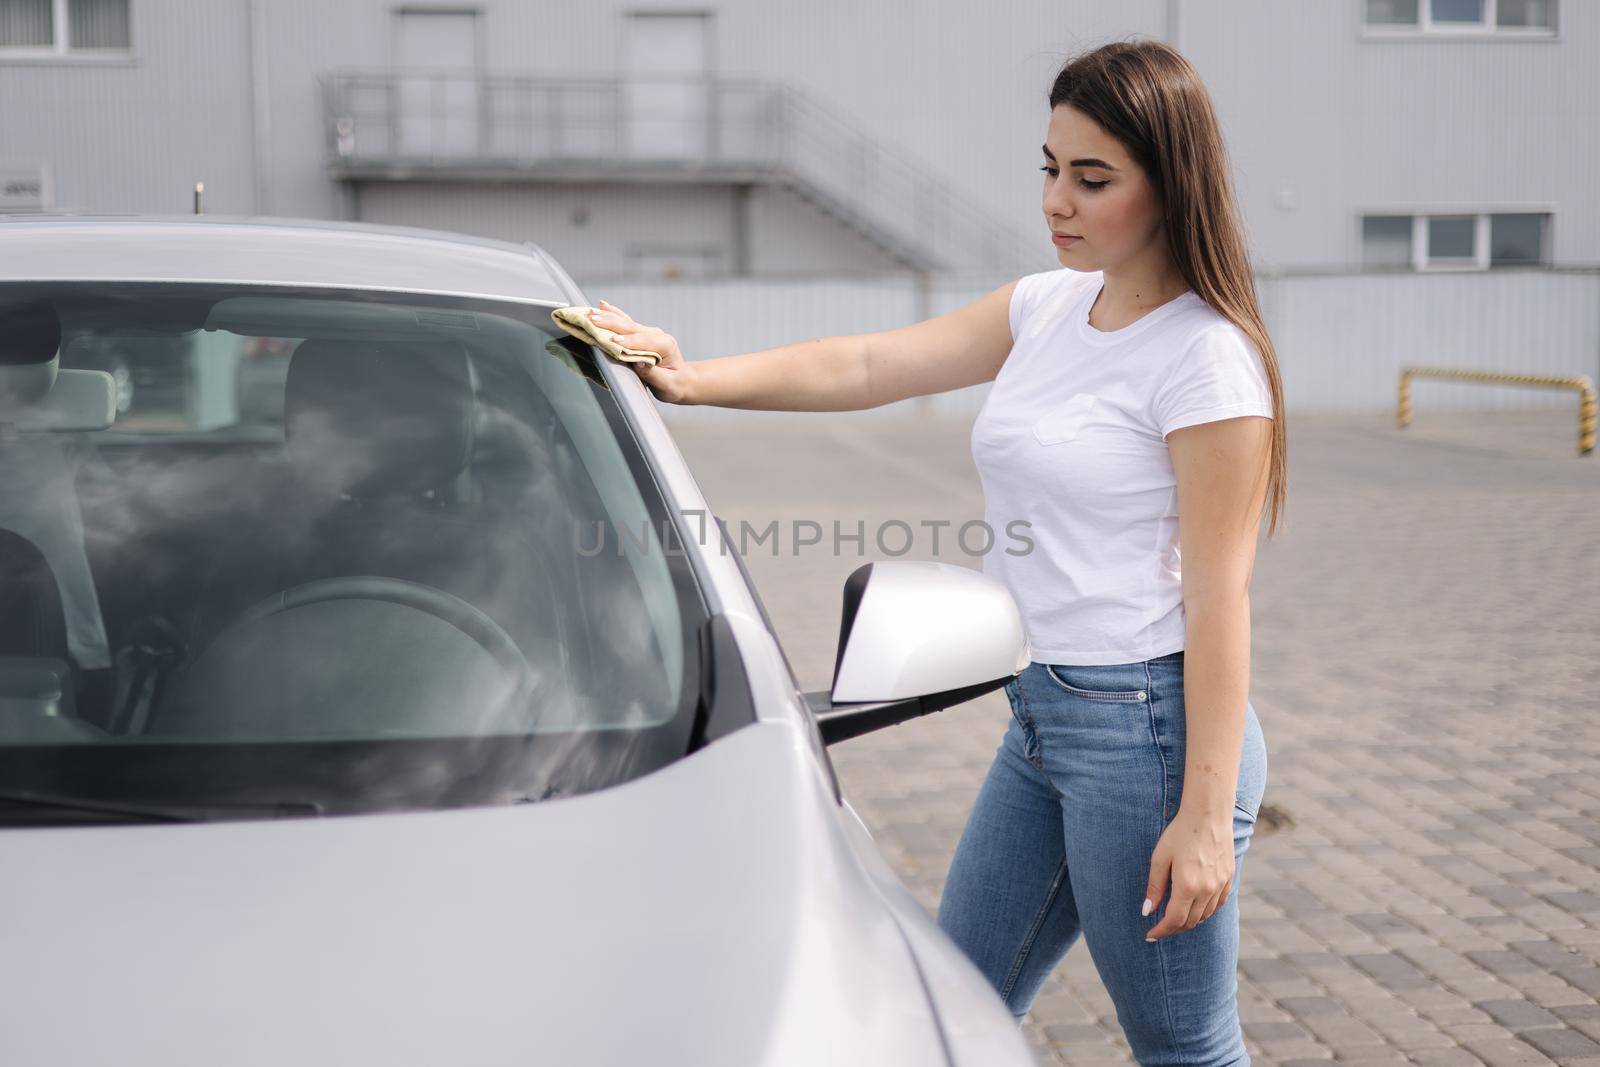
x=1072, y=439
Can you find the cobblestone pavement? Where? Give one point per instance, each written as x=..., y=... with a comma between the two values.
x=1426, y=667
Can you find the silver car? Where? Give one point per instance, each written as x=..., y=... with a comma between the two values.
x=380, y=691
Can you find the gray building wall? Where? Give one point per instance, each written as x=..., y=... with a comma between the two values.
x=1341, y=340
x=1322, y=123
x=1346, y=124
x=134, y=133
x=609, y=230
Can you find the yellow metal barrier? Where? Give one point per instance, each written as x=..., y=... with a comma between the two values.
x=1584, y=388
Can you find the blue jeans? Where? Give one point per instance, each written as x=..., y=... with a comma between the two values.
x=1088, y=774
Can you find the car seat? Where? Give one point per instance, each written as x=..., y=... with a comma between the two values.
x=52, y=618
x=379, y=435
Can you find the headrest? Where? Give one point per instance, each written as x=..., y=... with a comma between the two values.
x=29, y=334
x=36, y=395
x=379, y=418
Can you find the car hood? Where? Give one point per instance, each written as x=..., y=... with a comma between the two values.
x=710, y=912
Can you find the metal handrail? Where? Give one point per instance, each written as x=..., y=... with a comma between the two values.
x=756, y=131
x=1580, y=383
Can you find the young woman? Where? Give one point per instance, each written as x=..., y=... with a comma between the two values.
x=1136, y=422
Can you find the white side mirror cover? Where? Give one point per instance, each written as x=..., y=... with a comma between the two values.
x=923, y=628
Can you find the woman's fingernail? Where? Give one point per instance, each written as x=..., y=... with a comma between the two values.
x=1149, y=940
x=1147, y=906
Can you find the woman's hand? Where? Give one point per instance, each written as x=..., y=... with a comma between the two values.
x=671, y=377
x=1194, y=853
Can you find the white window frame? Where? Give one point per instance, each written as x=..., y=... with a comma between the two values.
x=1484, y=30
x=1479, y=260
x=1482, y=218
x=60, y=47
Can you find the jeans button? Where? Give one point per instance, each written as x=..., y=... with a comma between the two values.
x=1142, y=694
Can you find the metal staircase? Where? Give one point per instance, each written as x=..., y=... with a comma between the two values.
x=442, y=126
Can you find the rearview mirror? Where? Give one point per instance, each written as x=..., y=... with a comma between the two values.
x=75, y=400
x=916, y=637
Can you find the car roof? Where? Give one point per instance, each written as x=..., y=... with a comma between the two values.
x=275, y=251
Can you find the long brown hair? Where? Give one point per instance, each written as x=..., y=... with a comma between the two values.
x=1148, y=97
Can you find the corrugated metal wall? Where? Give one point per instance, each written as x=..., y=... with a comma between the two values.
x=720, y=318
x=1313, y=113
x=958, y=86
x=1341, y=339
x=1344, y=124
x=1321, y=122
x=592, y=229
x=135, y=132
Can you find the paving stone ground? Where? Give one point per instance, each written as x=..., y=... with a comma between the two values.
x=1426, y=667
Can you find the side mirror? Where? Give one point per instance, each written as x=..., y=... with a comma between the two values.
x=916, y=637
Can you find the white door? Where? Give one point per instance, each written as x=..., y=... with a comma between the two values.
x=436, y=82
x=669, y=87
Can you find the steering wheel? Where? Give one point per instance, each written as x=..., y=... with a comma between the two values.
x=425, y=598
x=436, y=603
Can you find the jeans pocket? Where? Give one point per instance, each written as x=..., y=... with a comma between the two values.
x=1122, y=695
x=1010, y=690
x=1022, y=722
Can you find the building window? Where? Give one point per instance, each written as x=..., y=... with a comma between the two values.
x=1518, y=239
x=1475, y=241
x=1450, y=241
x=60, y=27
x=1495, y=17
x=1386, y=240
x=1391, y=12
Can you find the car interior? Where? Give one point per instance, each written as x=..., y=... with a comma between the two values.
x=358, y=516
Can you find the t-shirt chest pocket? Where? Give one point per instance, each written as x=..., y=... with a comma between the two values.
x=1063, y=421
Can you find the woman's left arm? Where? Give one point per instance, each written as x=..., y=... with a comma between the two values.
x=1221, y=470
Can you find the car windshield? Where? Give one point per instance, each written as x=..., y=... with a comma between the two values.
x=269, y=551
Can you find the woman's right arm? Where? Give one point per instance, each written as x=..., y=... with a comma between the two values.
x=866, y=370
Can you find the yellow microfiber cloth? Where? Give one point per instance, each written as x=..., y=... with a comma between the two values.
x=575, y=320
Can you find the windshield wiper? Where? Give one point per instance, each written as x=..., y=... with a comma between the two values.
x=147, y=813
x=49, y=801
